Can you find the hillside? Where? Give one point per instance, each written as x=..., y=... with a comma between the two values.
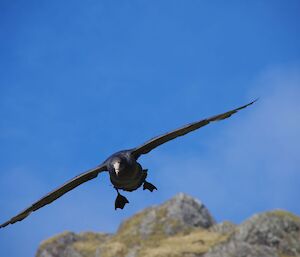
x=183, y=227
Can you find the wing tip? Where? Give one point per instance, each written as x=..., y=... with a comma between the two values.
x=5, y=224
x=246, y=105
x=255, y=100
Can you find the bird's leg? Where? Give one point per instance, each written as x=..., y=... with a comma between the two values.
x=120, y=200
x=148, y=185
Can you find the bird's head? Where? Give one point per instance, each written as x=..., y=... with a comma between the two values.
x=118, y=165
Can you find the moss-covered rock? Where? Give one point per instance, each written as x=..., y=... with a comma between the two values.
x=225, y=227
x=72, y=245
x=269, y=234
x=235, y=248
x=180, y=214
x=277, y=229
x=195, y=243
x=183, y=227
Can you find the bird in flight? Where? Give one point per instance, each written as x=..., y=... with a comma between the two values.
x=124, y=170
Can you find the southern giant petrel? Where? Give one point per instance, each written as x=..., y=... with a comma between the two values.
x=124, y=170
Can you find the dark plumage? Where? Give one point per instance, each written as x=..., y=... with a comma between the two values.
x=124, y=170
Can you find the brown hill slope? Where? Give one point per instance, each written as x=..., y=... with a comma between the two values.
x=184, y=227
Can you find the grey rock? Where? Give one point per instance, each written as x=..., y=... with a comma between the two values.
x=225, y=227
x=64, y=245
x=267, y=234
x=190, y=211
x=181, y=213
x=234, y=248
x=58, y=246
x=165, y=227
x=276, y=229
x=147, y=223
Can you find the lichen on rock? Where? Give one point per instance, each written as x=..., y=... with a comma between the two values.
x=70, y=244
x=183, y=227
x=277, y=229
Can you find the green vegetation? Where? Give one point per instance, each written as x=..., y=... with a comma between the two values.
x=283, y=213
x=171, y=230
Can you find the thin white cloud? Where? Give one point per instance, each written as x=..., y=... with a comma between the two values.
x=249, y=164
x=253, y=163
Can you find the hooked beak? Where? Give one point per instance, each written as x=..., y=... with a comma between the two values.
x=117, y=167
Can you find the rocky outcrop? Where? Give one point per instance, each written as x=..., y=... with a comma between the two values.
x=276, y=229
x=225, y=227
x=180, y=214
x=184, y=227
x=233, y=248
x=73, y=245
x=274, y=233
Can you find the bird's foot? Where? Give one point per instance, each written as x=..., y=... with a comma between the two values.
x=149, y=186
x=120, y=201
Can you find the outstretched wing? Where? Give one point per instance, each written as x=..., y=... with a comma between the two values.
x=155, y=142
x=58, y=192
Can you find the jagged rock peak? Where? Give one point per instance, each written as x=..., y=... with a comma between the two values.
x=182, y=226
x=189, y=210
x=277, y=229
x=70, y=244
x=180, y=213
x=269, y=234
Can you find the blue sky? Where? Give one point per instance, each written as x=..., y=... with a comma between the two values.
x=82, y=79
